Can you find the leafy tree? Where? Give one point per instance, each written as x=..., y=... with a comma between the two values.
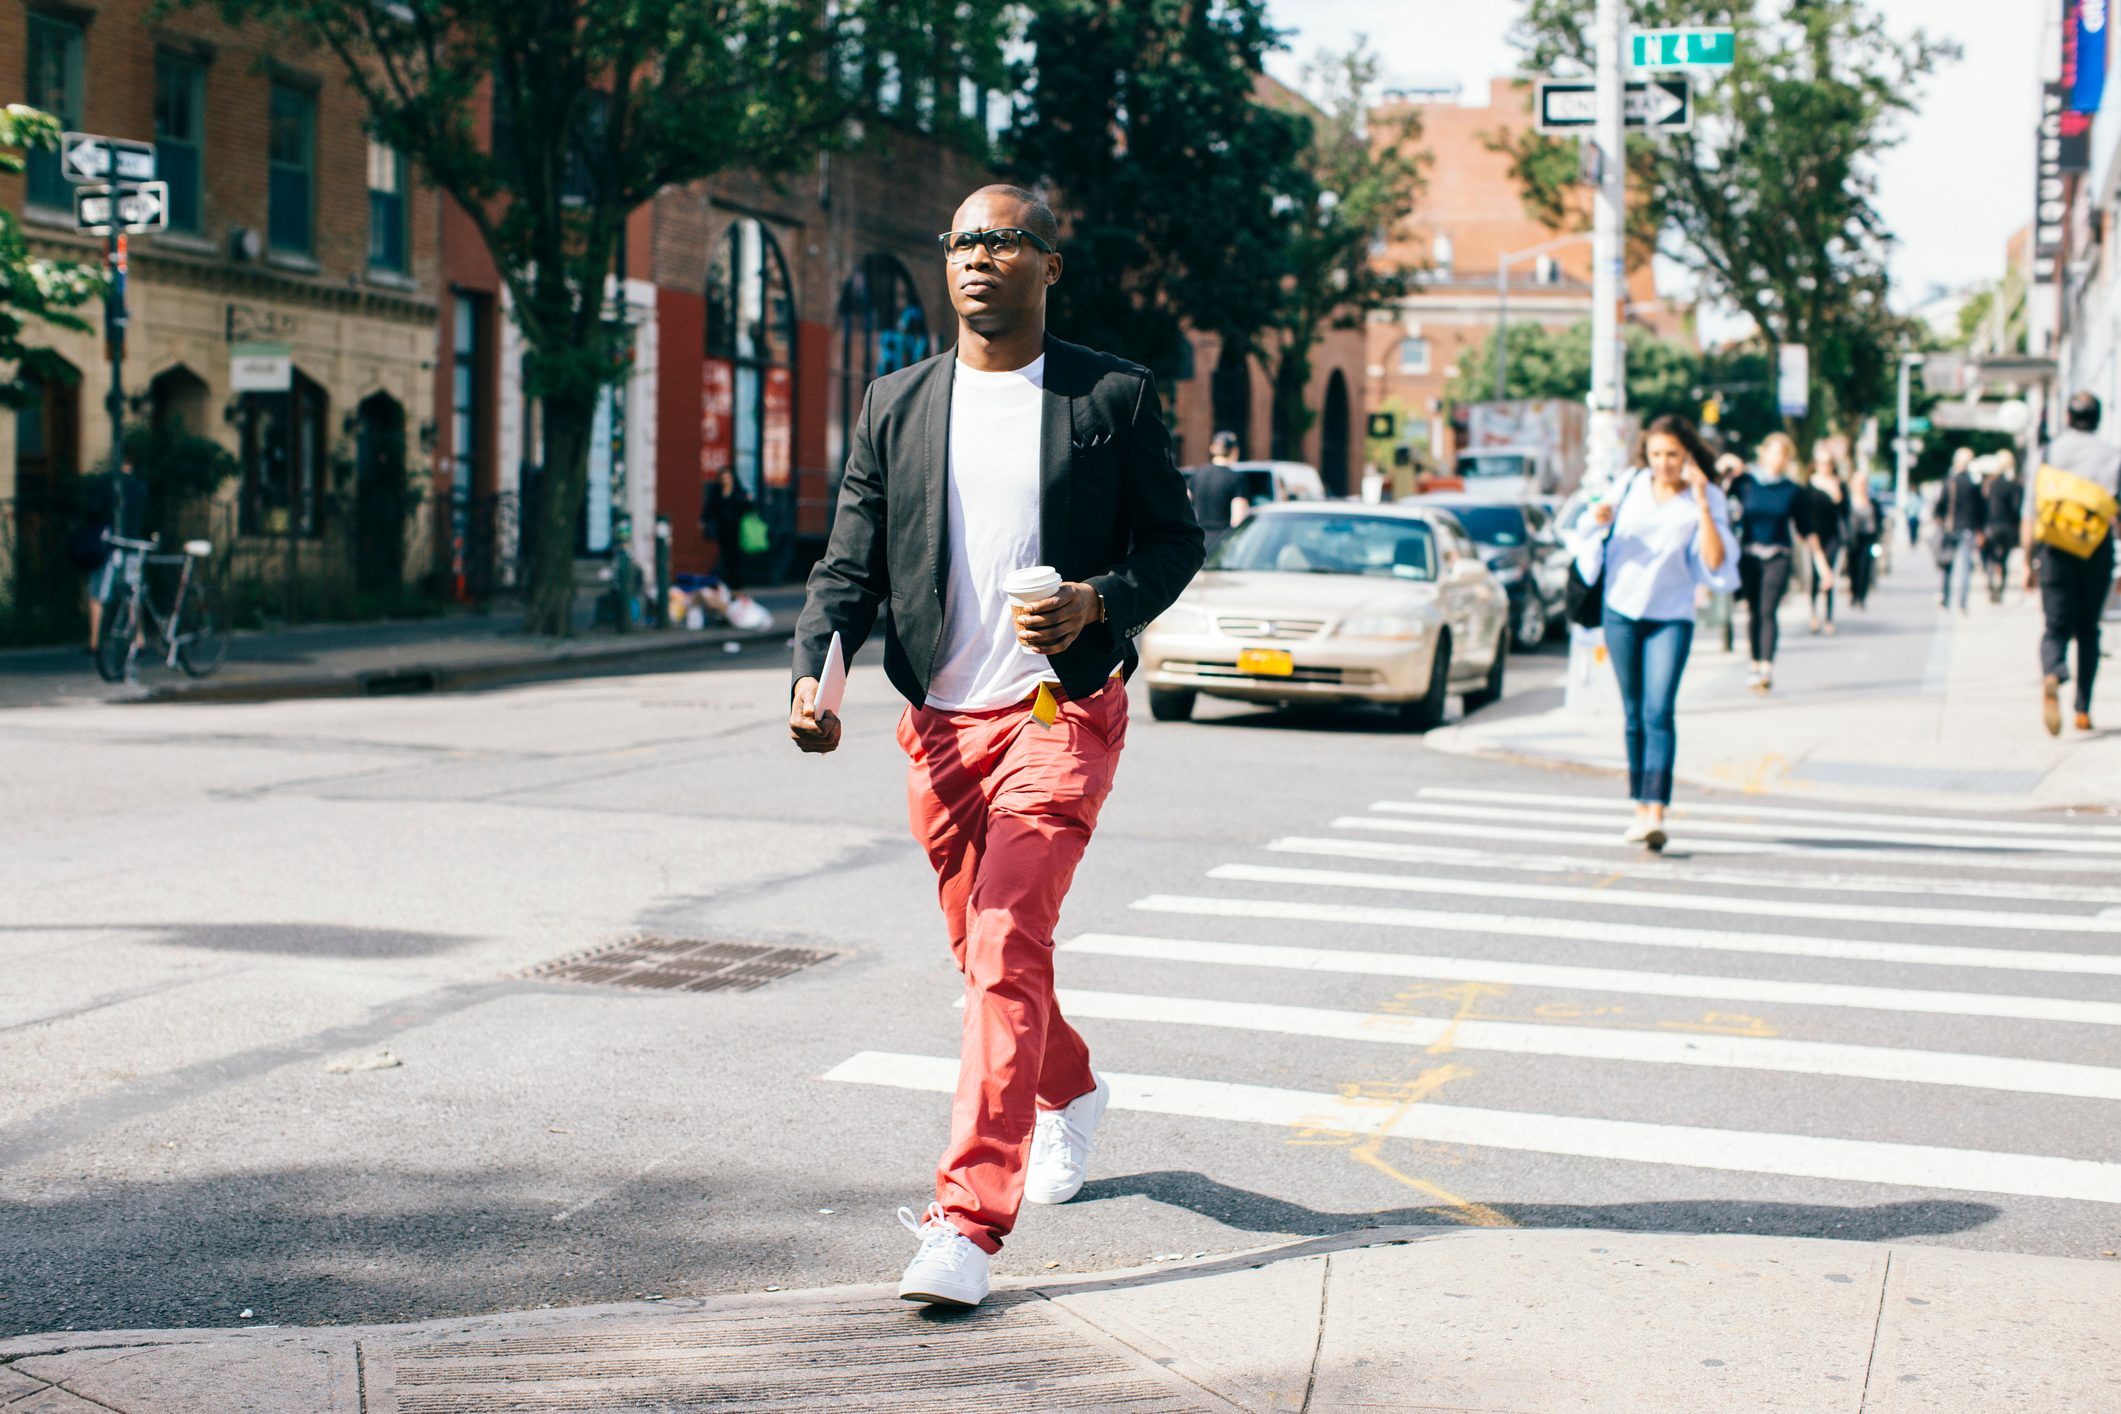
x=1770, y=200
x=596, y=105
x=1174, y=182
x=180, y=466
x=32, y=289
x=1556, y=363
x=1356, y=179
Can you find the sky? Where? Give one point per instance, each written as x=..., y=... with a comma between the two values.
x=1953, y=191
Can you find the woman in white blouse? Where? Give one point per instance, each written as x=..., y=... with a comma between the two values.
x=1668, y=532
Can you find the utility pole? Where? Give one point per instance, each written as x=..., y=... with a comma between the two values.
x=1903, y=444
x=1608, y=384
x=114, y=312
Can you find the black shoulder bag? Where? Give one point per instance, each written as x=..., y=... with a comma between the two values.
x=1585, y=600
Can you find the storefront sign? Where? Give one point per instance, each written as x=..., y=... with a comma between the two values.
x=260, y=368
x=2050, y=191
x=1793, y=383
x=777, y=445
x=2084, y=53
x=717, y=417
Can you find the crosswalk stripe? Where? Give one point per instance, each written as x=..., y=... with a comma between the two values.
x=1971, y=824
x=1741, y=829
x=1672, y=871
x=2032, y=1077
x=1628, y=1141
x=1624, y=981
x=1607, y=838
x=1578, y=930
x=1686, y=903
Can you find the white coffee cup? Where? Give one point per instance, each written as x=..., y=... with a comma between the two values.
x=1028, y=586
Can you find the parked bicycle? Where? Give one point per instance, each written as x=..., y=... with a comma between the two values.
x=189, y=634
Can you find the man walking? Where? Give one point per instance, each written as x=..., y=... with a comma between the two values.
x=1959, y=521
x=1017, y=451
x=2069, y=554
x=1218, y=490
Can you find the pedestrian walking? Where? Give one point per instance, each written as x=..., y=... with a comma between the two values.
x=1015, y=452
x=1865, y=528
x=2069, y=554
x=2002, y=512
x=723, y=509
x=117, y=509
x=1774, y=529
x=1668, y=534
x=1218, y=489
x=1830, y=531
x=1960, y=516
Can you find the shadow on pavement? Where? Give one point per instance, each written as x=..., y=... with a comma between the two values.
x=1256, y=1212
x=308, y=940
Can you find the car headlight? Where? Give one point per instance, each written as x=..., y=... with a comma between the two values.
x=1387, y=626
x=1178, y=620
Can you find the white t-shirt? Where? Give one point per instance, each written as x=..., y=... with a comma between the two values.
x=992, y=523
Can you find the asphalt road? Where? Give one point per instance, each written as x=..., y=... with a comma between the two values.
x=1342, y=980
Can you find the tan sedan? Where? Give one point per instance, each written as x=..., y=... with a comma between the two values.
x=1335, y=602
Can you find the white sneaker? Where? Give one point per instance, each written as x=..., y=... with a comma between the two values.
x=950, y=1269
x=1060, y=1146
x=1639, y=832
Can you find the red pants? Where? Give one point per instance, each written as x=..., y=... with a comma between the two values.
x=1004, y=807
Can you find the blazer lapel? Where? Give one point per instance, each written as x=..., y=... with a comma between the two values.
x=934, y=442
x=1056, y=445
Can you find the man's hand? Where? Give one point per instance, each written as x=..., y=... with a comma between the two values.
x=1051, y=625
x=812, y=731
x=2032, y=575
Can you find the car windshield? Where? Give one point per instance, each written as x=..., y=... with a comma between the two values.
x=1388, y=546
x=1475, y=465
x=1492, y=525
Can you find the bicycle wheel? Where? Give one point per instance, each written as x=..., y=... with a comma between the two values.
x=114, y=650
x=201, y=631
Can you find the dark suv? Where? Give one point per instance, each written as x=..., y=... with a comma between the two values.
x=1521, y=548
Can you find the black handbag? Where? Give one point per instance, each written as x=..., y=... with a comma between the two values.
x=1584, y=600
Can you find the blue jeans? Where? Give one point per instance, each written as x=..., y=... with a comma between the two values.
x=1649, y=656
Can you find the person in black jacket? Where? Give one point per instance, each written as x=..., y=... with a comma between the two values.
x=1015, y=451
x=722, y=512
x=2001, y=508
x=1960, y=519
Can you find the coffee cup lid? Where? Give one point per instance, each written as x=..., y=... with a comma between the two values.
x=1031, y=577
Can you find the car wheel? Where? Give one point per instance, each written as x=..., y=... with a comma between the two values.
x=1530, y=630
x=1490, y=691
x=1170, y=704
x=1426, y=711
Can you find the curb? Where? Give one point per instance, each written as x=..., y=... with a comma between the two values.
x=414, y=679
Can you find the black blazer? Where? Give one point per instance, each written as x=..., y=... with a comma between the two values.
x=1113, y=514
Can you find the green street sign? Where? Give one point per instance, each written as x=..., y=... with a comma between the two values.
x=1685, y=48
x=1918, y=424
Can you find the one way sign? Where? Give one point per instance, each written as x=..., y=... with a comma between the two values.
x=1660, y=106
x=86, y=157
x=141, y=208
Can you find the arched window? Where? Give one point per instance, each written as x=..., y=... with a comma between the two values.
x=882, y=329
x=748, y=396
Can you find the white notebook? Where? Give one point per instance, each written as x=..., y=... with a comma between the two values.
x=832, y=682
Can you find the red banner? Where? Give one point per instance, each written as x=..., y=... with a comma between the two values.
x=717, y=417
x=777, y=446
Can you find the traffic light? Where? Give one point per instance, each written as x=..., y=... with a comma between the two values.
x=1384, y=426
x=1712, y=412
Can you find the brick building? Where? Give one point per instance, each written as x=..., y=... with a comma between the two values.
x=1470, y=216
x=287, y=226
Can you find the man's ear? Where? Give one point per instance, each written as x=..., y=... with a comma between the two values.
x=1053, y=267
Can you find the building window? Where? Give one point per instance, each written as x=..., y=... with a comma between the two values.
x=180, y=89
x=1441, y=253
x=291, y=168
x=882, y=329
x=748, y=396
x=1546, y=271
x=54, y=85
x=386, y=207
x=467, y=435
x=1414, y=357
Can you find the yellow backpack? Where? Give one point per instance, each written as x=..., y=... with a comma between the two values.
x=2071, y=514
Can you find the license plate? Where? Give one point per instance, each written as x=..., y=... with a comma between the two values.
x=1267, y=662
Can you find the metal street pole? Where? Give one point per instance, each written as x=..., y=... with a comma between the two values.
x=1502, y=327
x=114, y=313
x=1901, y=444
x=1608, y=387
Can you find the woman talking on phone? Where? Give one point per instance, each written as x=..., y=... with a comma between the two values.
x=1667, y=534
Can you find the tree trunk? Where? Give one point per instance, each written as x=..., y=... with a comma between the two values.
x=1291, y=419
x=568, y=425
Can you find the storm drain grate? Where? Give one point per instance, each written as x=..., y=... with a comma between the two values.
x=680, y=965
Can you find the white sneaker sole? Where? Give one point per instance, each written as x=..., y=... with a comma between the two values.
x=1050, y=1197
x=935, y=1293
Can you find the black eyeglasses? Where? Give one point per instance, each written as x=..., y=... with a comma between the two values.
x=1003, y=242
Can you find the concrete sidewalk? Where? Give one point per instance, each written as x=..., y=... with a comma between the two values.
x=454, y=652
x=1409, y=1319
x=1907, y=705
